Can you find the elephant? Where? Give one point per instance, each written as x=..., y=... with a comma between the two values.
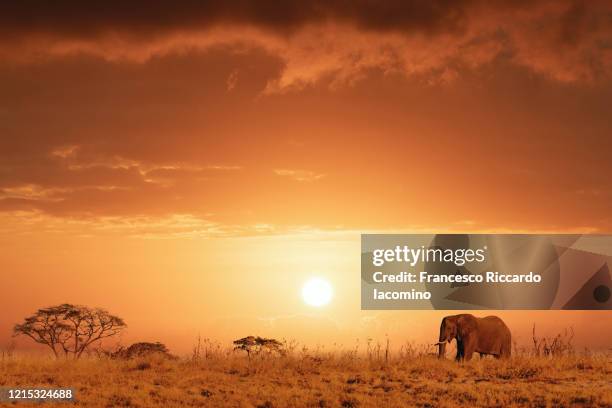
x=486, y=335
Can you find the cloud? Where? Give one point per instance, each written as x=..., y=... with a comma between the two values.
x=223, y=167
x=73, y=19
x=567, y=41
x=76, y=179
x=32, y=192
x=232, y=80
x=299, y=175
x=64, y=152
x=158, y=227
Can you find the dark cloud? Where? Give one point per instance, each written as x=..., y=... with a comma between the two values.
x=566, y=40
x=73, y=18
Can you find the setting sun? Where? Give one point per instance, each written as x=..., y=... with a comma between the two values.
x=317, y=292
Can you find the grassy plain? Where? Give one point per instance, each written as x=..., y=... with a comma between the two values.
x=320, y=379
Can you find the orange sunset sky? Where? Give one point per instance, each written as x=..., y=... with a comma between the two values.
x=189, y=166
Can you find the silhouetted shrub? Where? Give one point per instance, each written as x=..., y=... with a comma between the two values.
x=142, y=349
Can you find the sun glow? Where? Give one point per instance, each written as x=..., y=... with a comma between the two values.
x=317, y=292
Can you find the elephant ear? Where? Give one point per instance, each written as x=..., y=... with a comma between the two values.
x=466, y=325
x=451, y=324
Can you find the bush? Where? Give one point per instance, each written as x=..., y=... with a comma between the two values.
x=142, y=349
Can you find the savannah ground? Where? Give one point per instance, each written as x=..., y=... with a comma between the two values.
x=320, y=379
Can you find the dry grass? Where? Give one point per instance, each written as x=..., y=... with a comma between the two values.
x=321, y=379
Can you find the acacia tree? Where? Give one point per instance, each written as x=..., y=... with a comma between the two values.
x=70, y=329
x=252, y=344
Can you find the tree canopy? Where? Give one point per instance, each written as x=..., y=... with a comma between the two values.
x=70, y=329
x=257, y=344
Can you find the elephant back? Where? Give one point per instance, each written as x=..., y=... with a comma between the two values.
x=493, y=336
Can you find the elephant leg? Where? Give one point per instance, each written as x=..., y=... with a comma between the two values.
x=506, y=350
x=460, y=350
x=469, y=347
